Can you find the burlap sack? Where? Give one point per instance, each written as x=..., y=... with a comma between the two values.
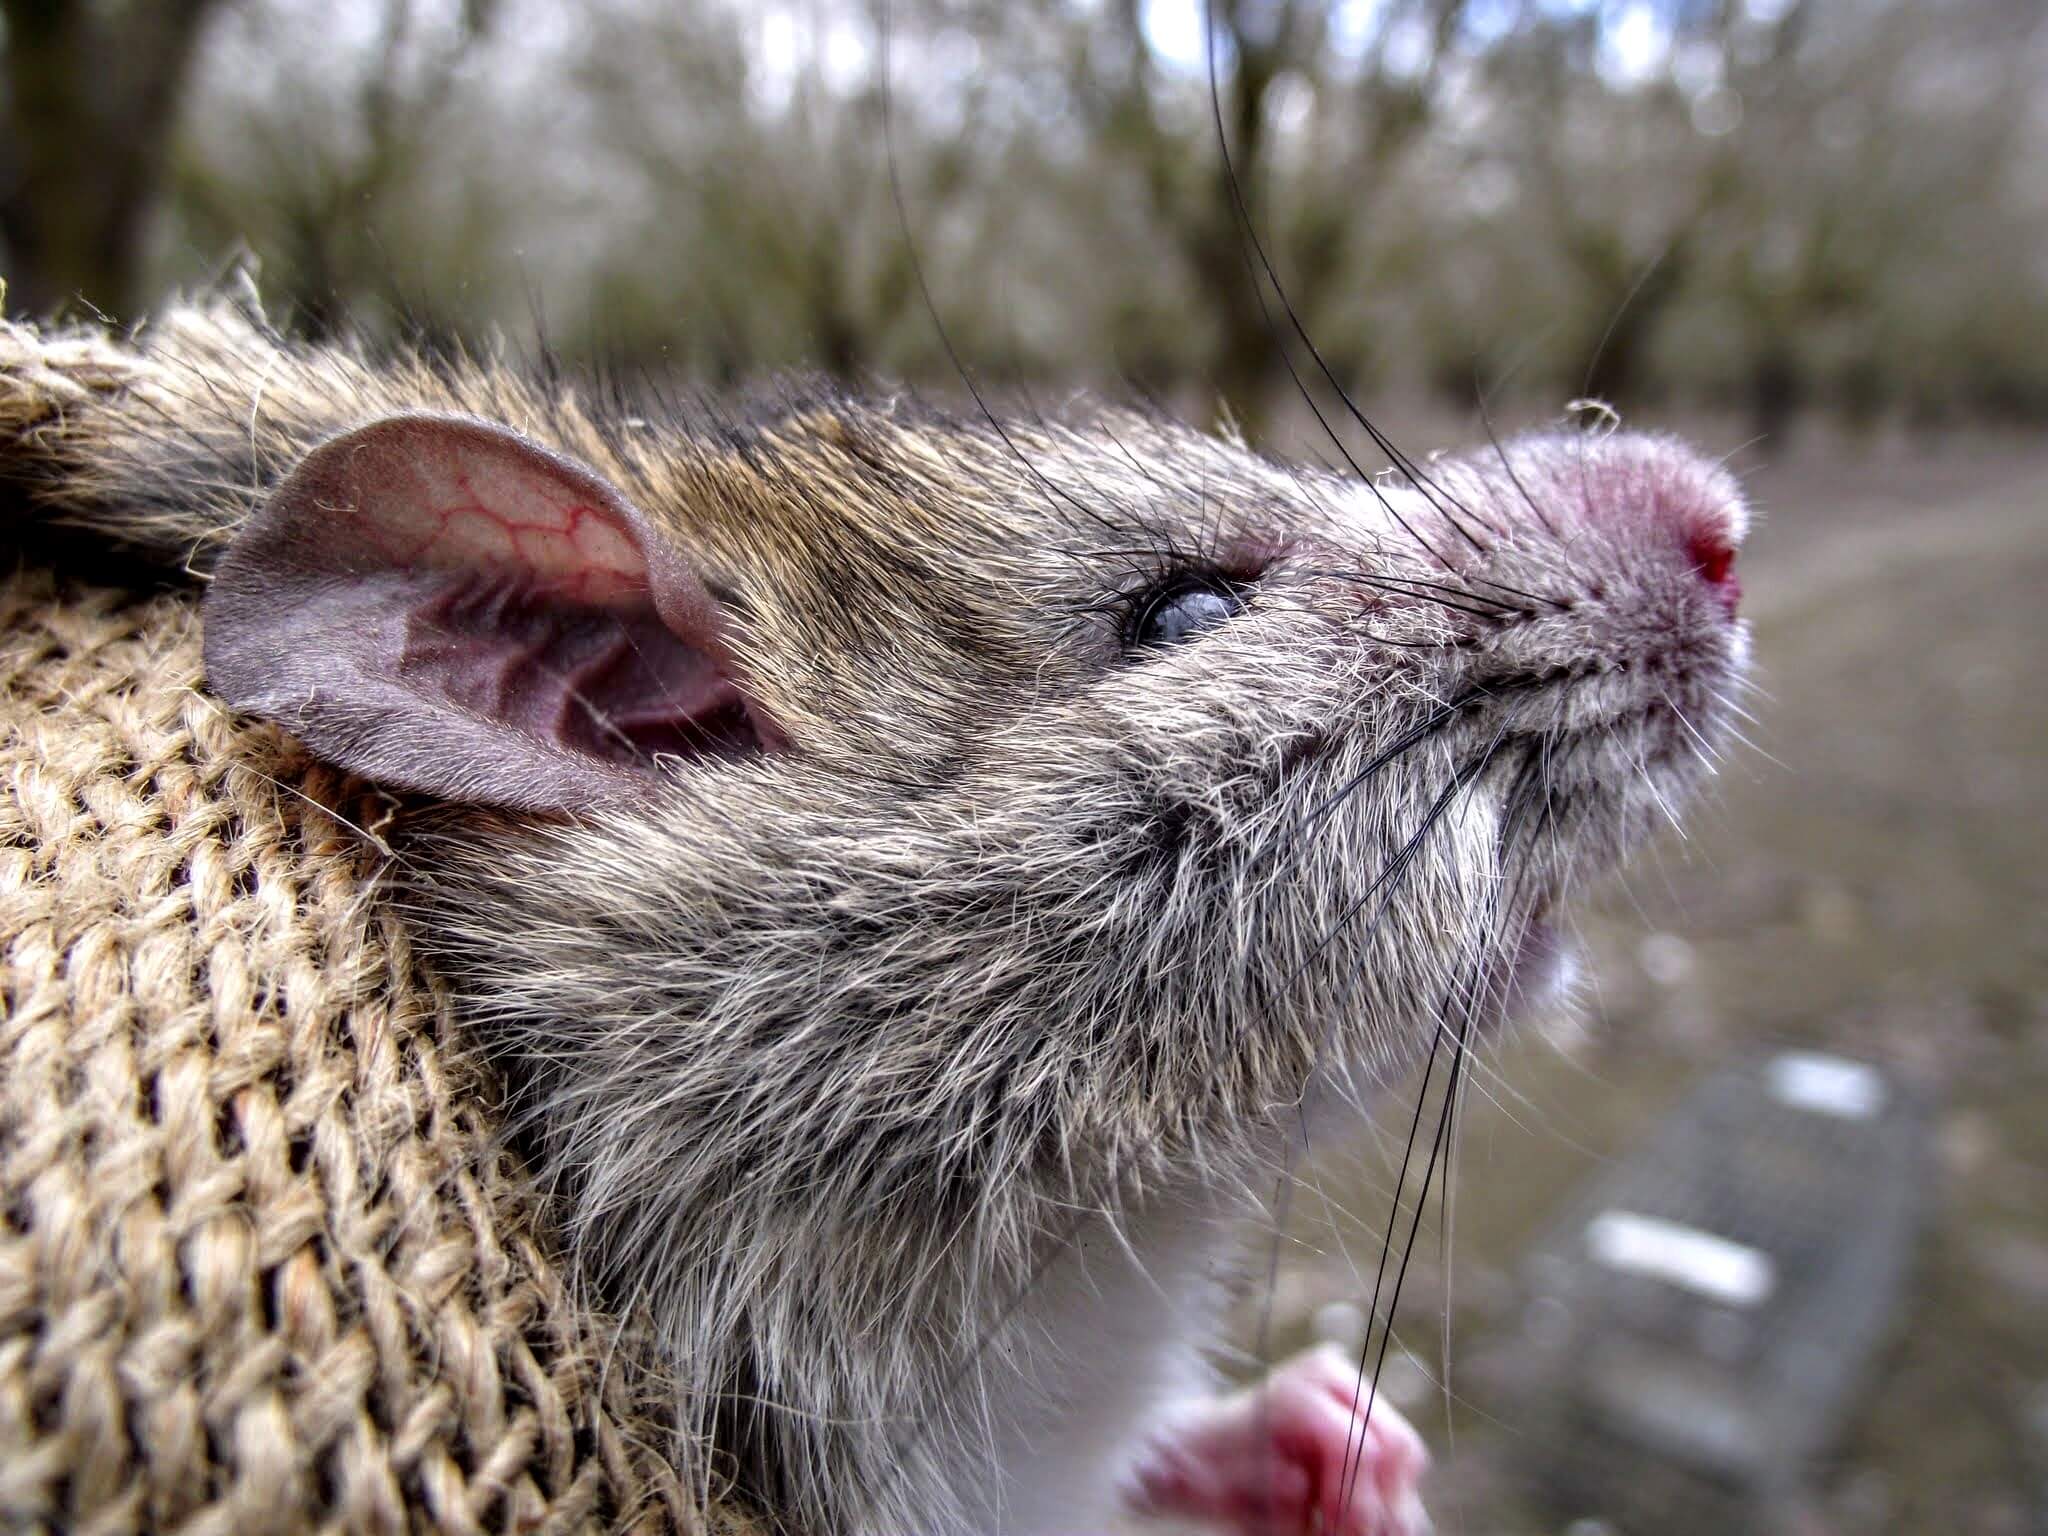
x=262, y=1266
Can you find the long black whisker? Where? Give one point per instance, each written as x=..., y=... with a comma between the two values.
x=1387, y=1244
x=1508, y=468
x=1417, y=584
x=1435, y=721
x=1243, y=220
x=1614, y=321
x=1352, y=1467
x=1562, y=605
x=1447, y=1187
x=1465, y=777
x=1395, y=866
x=1052, y=491
x=1394, y=869
x=1415, y=587
x=1420, y=481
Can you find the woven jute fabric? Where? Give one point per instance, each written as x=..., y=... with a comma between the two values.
x=263, y=1264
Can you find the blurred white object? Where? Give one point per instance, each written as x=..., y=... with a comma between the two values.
x=1826, y=1085
x=1665, y=958
x=1699, y=1261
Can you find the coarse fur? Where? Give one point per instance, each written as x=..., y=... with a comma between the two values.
x=916, y=1074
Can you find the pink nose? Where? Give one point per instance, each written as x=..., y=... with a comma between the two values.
x=1685, y=507
x=1713, y=556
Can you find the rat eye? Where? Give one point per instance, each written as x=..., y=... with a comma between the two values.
x=1184, y=610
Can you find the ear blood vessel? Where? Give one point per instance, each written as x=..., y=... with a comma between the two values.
x=447, y=607
x=903, y=971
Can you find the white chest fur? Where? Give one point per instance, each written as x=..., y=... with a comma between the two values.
x=1114, y=1333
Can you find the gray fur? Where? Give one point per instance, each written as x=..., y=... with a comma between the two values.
x=873, y=1065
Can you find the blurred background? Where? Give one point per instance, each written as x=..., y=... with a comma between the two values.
x=1759, y=1239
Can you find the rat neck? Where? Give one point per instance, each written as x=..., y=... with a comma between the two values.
x=962, y=1408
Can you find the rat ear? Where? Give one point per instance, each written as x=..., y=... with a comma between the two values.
x=442, y=605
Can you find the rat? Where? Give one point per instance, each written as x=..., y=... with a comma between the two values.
x=924, y=873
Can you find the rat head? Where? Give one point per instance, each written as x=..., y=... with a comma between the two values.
x=947, y=801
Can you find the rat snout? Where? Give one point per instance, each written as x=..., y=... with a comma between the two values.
x=1610, y=519
x=1648, y=494
x=1593, y=573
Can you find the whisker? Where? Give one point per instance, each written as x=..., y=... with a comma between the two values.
x=1620, y=312
x=1354, y=1465
x=1052, y=491
x=1251, y=236
x=1434, y=722
x=1415, y=586
x=1459, y=781
x=1507, y=467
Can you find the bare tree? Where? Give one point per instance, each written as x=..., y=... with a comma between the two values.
x=320, y=179
x=758, y=232
x=90, y=98
x=1357, y=128
x=1829, y=202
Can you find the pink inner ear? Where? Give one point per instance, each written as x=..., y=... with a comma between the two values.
x=610, y=680
x=552, y=620
x=441, y=604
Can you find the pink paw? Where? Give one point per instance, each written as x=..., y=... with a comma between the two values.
x=1289, y=1457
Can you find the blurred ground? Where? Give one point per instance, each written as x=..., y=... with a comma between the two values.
x=1877, y=883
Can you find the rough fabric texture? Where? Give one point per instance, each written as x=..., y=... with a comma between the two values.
x=262, y=1266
